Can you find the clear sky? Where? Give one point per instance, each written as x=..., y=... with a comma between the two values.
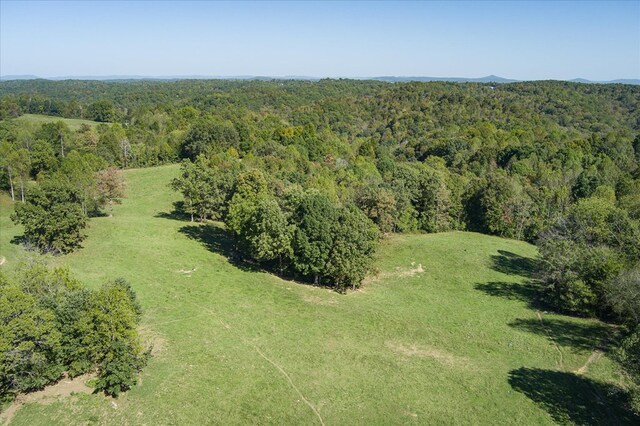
x=522, y=40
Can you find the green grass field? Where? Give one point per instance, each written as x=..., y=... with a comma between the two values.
x=73, y=123
x=446, y=333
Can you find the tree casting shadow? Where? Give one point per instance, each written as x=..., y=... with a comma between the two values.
x=570, y=398
x=513, y=264
x=565, y=333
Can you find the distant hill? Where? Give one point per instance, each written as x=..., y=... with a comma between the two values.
x=487, y=79
x=18, y=77
x=389, y=79
x=618, y=81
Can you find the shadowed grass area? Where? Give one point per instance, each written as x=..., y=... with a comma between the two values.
x=568, y=333
x=235, y=345
x=527, y=292
x=573, y=399
x=514, y=264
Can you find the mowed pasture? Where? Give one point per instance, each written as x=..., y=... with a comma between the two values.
x=73, y=123
x=447, y=332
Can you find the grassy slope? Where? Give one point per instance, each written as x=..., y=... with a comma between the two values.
x=443, y=346
x=73, y=123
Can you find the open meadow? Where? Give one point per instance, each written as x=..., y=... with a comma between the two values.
x=447, y=331
x=38, y=119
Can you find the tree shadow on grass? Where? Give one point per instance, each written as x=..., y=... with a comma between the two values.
x=221, y=241
x=513, y=264
x=566, y=333
x=218, y=240
x=20, y=240
x=177, y=213
x=573, y=399
x=527, y=292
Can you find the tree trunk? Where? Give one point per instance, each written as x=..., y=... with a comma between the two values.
x=315, y=279
x=110, y=208
x=22, y=190
x=13, y=198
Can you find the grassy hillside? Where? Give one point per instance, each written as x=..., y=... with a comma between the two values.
x=447, y=332
x=73, y=123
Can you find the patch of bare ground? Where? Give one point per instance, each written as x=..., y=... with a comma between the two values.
x=2, y=260
x=398, y=272
x=318, y=300
x=595, y=355
x=422, y=351
x=186, y=272
x=153, y=340
x=65, y=387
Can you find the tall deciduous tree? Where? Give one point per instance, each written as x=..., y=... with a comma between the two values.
x=313, y=238
x=52, y=217
x=110, y=187
x=354, y=243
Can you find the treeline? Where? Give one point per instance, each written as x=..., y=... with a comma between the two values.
x=52, y=325
x=55, y=209
x=285, y=227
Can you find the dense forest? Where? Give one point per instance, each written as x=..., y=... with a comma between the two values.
x=308, y=176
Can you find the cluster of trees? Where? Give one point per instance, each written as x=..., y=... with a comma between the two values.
x=51, y=325
x=284, y=227
x=55, y=209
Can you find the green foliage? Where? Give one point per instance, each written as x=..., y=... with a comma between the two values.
x=354, y=243
x=103, y=111
x=207, y=136
x=52, y=217
x=29, y=342
x=629, y=356
x=379, y=204
x=433, y=201
x=313, y=218
x=623, y=295
x=507, y=208
x=113, y=339
x=50, y=323
x=584, y=251
x=207, y=186
x=262, y=228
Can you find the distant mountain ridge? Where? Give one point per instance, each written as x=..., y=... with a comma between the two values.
x=391, y=79
x=487, y=79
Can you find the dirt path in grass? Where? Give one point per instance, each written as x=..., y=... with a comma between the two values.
x=64, y=387
x=544, y=327
x=2, y=260
x=257, y=349
x=595, y=355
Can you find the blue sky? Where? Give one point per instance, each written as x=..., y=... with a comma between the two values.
x=523, y=40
